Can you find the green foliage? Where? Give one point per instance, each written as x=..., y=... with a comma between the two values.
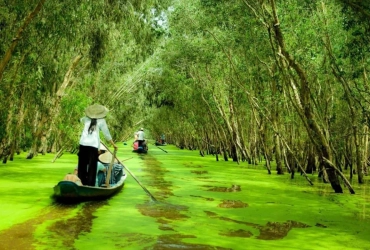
x=98, y=40
x=193, y=69
x=112, y=37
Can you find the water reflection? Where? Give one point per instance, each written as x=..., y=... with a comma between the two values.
x=63, y=228
x=220, y=208
x=232, y=204
x=174, y=241
x=161, y=210
x=66, y=230
x=233, y=188
x=270, y=231
x=166, y=214
x=204, y=198
x=199, y=172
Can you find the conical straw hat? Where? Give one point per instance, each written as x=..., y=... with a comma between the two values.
x=105, y=158
x=96, y=111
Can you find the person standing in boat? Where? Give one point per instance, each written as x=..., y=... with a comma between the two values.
x=94, y=122
x=100, y=174
x=104, y=162
x=140, y=137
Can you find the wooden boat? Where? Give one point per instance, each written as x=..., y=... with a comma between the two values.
x=137, y=149
x=68, y=191
x=157, y=143
x=140, y=150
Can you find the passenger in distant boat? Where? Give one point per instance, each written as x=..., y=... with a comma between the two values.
x=145, y=147
x=73, y=177
x=104, y=162
x=141, y=137
x=135, y=145
x=94, y=122
x=163, y=138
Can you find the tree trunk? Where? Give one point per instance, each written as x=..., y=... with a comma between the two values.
x=311, y=161
x=278, y=158
x=365, y=154
x=225, y=153
x=303, y=105
x=55, y=109
x=349, y=98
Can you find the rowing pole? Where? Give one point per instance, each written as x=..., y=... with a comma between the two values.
x=133, y=176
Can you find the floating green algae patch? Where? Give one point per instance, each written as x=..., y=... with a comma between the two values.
x=201, y=204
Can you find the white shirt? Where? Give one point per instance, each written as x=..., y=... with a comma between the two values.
x=140, y=135
x=93, y=139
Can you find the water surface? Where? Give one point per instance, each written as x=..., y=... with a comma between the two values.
x=201, y=204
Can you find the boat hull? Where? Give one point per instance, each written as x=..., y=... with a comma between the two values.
x=67, y=191
x=140, y=151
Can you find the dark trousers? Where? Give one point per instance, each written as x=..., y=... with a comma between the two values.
x=87, y=165
x=141, y=142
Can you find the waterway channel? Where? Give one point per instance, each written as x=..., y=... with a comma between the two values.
x=200, y=203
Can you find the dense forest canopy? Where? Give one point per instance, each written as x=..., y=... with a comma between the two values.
x=275, y=81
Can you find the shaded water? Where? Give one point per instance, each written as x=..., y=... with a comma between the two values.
x=201, y=204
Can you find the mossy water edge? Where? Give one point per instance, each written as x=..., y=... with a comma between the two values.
x=201, y=203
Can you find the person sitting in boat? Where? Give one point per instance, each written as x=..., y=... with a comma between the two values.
x=100, y=175
x=73, y=177
x=135, y=145
x=144, y=145
x=163, y=139
x=104, y=162
x=100, y=171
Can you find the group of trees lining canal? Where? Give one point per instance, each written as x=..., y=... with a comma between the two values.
x=283, y=82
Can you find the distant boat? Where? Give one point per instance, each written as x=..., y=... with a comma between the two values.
x=157, y=143
x=68, y=191
x=140, y=150
x=137, y=149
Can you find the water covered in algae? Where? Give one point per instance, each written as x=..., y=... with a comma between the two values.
x=201, y=204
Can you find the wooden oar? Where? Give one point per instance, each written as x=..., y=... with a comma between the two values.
x=160, y=148
x=133, y=176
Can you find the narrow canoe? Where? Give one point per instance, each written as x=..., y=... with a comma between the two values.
x=67, y=191
x=140, y=151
